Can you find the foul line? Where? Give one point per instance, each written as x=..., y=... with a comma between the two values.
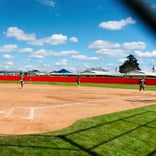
x=31, y=114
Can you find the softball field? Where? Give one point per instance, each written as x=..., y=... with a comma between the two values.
x=42, y=108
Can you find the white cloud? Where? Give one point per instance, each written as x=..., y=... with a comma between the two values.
x=111, y=52
x=52, y=40
x=39, y=42
x=9, y=66
x=19, y=34
x=40, y=54
x=50, y=3
x=62, y=63
x=7, y=56
x=122, y=60
x=84, y=57
x=10, y=63
x=26, y=50
x=73, y=39
x=146, y=54
x=100, y=44
x=65, y=53
x=9, y=48
x=117, y=25
x=113, y=49
x=37, y=56
x=29, y=67
x=134, y=45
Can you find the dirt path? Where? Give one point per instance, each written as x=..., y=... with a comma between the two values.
x=41, y=108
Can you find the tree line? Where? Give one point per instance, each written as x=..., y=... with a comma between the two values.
x=131, y=64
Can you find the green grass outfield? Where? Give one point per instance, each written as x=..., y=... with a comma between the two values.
x=125, y=133
x=105, y=85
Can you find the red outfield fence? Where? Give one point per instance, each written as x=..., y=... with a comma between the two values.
x=117, y=80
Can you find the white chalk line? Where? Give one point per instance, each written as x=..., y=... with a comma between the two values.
x=67, y=104
x=31, y=114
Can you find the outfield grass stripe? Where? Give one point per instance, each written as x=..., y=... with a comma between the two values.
x=152, y=153
x=78, y=145
x=104, y=123
x=145, y=125
x=142, y=118
x=125, y=133
x=140, y=142
x=115, y=135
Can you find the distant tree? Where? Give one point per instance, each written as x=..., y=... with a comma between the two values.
x=153, y=69
x=131, y=64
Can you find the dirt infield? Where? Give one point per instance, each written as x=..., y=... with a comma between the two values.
x=42, y=108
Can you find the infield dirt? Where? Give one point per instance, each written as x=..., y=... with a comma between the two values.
x=42, y=108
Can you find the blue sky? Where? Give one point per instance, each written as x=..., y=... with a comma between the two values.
x=49, y=35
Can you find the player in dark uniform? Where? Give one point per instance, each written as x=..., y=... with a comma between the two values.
x=78, y=80
x=21, y=80
x=142, y=84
